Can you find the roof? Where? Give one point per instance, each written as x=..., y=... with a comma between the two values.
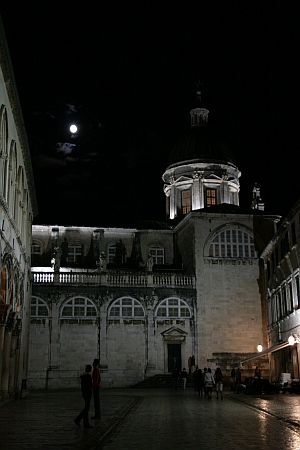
x=200, y=144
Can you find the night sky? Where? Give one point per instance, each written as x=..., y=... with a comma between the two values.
x=128, y=77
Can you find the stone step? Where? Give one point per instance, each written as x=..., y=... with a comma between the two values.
x=160, y=381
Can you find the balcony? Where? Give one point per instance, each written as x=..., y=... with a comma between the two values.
x=142, y=279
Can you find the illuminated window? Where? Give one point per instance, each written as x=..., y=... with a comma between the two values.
x=158, y=255
x=185, y=201
x=36, y=248
x=232, y=243
x=39, y=308
x=74, y=253
x=210, y=197
x=173, y=308
x=79, y=307
x=126, y=307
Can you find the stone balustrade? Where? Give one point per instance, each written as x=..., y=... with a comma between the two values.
x=115, y=279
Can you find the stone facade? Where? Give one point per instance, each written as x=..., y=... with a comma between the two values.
x=17, y=209
x=280, y=281
x=201, y=298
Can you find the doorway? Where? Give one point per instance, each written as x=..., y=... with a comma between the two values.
x=174, y=357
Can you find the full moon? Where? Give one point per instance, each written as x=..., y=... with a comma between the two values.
x=73, y=128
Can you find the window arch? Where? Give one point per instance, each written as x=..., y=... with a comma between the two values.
x=232, y=242
x=39, y=307
x=3, y=149
x=126, y=307
x=78, y=307
x=11, y=177
x=173, y=308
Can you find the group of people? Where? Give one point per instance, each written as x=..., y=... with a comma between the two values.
x=205, y=381
x=90, y=387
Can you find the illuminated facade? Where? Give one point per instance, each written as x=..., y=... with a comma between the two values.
x=17, y=208
x=280, y=275
x=145, y=300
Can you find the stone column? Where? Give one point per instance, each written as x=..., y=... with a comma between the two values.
x=173, y=203
x=5, y=366
x=3, y=315
x=13, y=365
x=201, y=191
x=103, y=334
x=196, y=191
x=151, y=368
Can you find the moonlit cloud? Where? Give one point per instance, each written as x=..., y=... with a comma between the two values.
x=65, y=147
x=71, y=108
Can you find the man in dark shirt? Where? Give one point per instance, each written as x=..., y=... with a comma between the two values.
x=96, y=381
x=86, y=390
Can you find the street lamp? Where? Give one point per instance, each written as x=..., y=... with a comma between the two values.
x=259, y=348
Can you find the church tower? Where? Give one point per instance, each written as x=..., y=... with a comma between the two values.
x=202, y=172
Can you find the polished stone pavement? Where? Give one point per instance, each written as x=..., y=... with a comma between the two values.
x=152, y=419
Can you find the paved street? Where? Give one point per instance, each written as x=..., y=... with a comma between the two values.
x=152, y=419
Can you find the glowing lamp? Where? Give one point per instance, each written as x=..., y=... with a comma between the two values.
x=259, y=348
x=291, y=340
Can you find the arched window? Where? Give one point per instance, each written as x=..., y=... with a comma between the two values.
x=11, y=177
x=232, y=243
x=78, y=307
x=39, y=307
x=158, y=254
x=126, y=307
x=173, y=308
x=3, y=150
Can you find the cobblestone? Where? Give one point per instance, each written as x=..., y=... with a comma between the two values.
x=152, y=419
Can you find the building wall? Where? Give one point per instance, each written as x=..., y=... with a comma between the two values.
x=129, y=348
x=17, y=208
x=221, y=303
x=280, y=287
x=228, y=305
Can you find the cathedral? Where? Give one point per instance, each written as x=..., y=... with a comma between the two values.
x=216, y=283
x=146, y=300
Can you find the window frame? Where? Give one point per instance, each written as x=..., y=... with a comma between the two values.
x=171, y=304
x=153, y=251
x=86, y=305
x=128, y=304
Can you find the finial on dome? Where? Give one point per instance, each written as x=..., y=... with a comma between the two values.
x=199, y=116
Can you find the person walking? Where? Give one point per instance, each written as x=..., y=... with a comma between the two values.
x=232, y=377
x=238, y=380
x=96, y=382
x=199, y=382
x=204, y=387
x=209, y=383
x=184, y=377
x=219, y=382
x=86, y=390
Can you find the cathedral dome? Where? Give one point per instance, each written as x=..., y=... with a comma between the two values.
x=200, y=143
x=201, y=171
